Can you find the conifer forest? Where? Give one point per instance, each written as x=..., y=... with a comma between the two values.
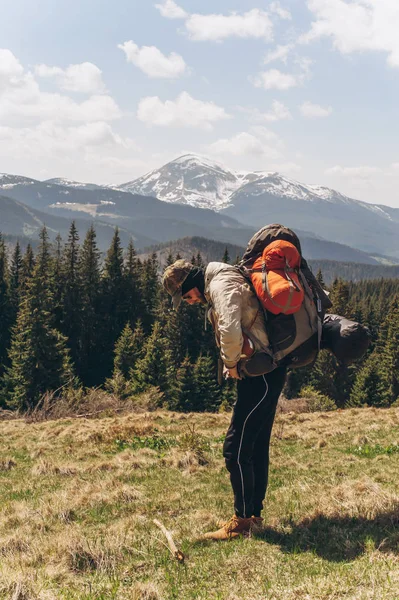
x=71, y=318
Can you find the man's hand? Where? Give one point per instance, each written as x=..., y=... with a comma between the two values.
x=231, y=373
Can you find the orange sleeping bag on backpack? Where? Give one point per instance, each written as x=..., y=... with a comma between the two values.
x=275, y=277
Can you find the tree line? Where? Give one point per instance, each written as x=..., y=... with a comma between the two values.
x=71, y=319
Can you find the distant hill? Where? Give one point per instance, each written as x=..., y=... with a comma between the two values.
x=21, y=221
x=213, y=251
x=353, y=271
x=153, y=221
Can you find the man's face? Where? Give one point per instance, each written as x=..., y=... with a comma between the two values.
x=193, y=296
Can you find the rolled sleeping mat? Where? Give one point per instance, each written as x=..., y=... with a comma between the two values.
x=346, y=339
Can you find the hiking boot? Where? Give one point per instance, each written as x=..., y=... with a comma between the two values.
x=235, y=527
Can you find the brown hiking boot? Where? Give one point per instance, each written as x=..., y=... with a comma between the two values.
x=235, y=527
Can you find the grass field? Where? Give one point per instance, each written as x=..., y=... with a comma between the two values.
x=78, y=498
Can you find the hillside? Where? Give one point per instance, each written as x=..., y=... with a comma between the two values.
x=147, y=219
x=79, y=497
x=22, y=221
x=211, y=250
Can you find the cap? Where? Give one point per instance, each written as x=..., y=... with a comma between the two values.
x=174, y=277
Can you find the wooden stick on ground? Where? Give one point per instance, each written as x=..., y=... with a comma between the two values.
x=178, y=554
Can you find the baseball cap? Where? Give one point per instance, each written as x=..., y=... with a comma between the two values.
x=174, y=277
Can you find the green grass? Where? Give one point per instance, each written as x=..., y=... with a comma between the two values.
x=77, y=510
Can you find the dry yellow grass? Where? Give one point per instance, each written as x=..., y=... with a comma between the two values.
x=78, y=496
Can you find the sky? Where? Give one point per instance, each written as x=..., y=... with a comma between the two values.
x=104, y=91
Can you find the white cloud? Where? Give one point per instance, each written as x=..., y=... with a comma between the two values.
x=152, y=62
x=314, y=111
x=395, y=166
x=278, y=112
x=283, y=13
x=242, y=144
x=185, y=111
x=358, y=26
x=215, y=27
x=21, y=98
x=11, y=69
x=49, y=138
x=275, y=80
x=84, y=77
x=170, y=10
x=280, y=53
x=362, y=172
x=285, y=167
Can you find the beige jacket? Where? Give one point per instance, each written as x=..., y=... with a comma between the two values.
x=233, y=309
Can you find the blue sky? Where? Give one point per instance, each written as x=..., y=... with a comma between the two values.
x=103, y=92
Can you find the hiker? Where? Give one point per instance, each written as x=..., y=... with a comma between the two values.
x=233, y=307
x=268, y=314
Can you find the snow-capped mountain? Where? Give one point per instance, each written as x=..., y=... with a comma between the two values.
x=260, y=197
x=7, y=182
x=189, y=179
x=200, y=182
x=73, y=184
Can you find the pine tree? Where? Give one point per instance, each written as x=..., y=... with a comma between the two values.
x=58, y=283
x=112, y=302
x=5, y=306
x=185, y=392
x=15, y=281
x=129, y=349
x=150, y=287
x=155, y=368
x=388, y=356
x=320, y=279
x=28, y=264
x=367, y=386
x=132, y=277
x=207, y=395
x=39, y=358
x=71, y=294
x=90, y=366
x=226, y=256
x=339, y=297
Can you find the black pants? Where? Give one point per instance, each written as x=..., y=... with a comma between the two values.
x=246, y=447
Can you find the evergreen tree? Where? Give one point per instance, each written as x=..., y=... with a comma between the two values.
x=15, y=281
x=199, y=262
x=112, y=302
x=339, y=297
x=129, y=349
x=150, y=291
x=28, y=264
x=58, y=283
x=39, y=358
x=207, y=395
x=388, y=356
x=185, y=393
x=132, y=278
x=5, y=306
x=320, y=279
x=226, y=256
x=90, y=367
x=155, y=368
x=71, y=323
x=367, y=386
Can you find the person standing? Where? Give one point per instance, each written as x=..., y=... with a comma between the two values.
x=238, y=321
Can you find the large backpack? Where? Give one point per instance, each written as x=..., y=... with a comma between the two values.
x=295, y=335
